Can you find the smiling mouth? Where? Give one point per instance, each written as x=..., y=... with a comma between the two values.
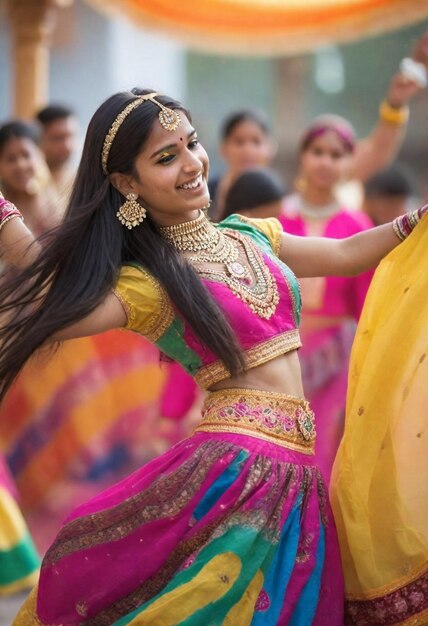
x=197, y=182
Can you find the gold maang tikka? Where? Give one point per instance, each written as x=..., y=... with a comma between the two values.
x=168, y=118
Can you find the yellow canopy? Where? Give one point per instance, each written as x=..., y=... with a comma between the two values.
x=274, y=27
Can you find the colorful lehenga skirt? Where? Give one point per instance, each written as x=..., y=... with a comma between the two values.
x=324, y=360
x=80, y=419
x=230, y=527
x=19, y=562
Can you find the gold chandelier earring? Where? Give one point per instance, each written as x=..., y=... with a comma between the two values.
x=131, y=213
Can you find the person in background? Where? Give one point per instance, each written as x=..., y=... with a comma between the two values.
x=257, y=193
x=388, y=194
x=331, y=305
x=25, y=178
x=59, y=142
x=246, y=141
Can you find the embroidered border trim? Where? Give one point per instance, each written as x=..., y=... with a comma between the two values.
x=406, y=605
x=257, y=355
x=129, y=310
x=275, y=238
x=281, y=419
x=157, y=323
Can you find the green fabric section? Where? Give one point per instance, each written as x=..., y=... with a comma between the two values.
x=255, y=552
x=172, y=344
x=18, y=562
x=293, y=285
x=235, y=223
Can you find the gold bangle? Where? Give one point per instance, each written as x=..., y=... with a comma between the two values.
x=387, y=113
x=10, y=217
x=397, y=230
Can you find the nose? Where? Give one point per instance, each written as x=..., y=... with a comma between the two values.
x=193, y=163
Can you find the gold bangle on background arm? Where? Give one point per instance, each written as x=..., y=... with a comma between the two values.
x=388, y=113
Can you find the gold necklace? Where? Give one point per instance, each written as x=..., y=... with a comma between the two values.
x=211, y=245
x=262, y=297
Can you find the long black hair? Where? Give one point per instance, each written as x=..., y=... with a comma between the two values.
x=81, y=259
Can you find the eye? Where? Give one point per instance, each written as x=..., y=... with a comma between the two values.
x=194, y=143
x=166, y=157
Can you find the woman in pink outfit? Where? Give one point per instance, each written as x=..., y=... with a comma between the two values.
x=331, y=305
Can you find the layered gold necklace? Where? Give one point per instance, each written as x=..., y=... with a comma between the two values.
x=212, y=245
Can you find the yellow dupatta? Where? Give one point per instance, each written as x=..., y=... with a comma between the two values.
x=379, y=487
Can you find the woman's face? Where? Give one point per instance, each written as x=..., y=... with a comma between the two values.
x=247, y=147
x=172, y=174
x=19, y=164
x=325, y=162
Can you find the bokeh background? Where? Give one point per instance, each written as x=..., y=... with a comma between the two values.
x=95, y=51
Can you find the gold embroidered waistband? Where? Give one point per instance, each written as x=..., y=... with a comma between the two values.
x=281, y=419
x=257, y=355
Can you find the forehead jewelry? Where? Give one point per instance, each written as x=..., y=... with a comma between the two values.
x=168, y=118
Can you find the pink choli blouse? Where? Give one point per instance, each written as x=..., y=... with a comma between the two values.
x=151, y=313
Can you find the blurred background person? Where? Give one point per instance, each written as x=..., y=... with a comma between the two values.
x=246, y=143
x=24, y=176
x=388, y=195
x=257, y=193
x=59, y=142
x=330, y=305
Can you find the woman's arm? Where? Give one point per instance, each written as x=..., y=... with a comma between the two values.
x=108, y=315
x=18, y=246
x=321, y=256
x=376, y=151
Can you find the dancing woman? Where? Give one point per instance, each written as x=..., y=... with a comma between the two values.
x=232, y=525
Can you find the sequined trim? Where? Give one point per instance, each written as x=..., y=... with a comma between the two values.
x=274, y=241
x=257, y=355
x=130, y=313
x=262, y=297
x=284, y=420
x=406, y=605
x=155, y=502
x=158, y=324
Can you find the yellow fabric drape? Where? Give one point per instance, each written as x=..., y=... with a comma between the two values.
x=274, y=27
x=380, y=479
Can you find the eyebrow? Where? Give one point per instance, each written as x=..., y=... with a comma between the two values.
x=171, y=145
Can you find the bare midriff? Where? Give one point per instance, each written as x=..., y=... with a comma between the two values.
x=282, y=375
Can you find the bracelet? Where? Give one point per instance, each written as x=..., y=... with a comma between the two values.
x=10, y=217
x=7, y=212
x=403, y=225
x=387, y=113
x=415, y=71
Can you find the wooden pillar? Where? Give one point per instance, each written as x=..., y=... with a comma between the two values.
x=291, y=114
x=32, y=23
